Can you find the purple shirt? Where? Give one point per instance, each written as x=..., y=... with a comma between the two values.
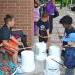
x=50, y=7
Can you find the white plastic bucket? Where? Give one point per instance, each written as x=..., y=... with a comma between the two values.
x=40, y=51
x=28, y=63
x=52, y=67
x=54, y=51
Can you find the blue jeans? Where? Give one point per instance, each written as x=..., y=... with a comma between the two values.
x=69, y=71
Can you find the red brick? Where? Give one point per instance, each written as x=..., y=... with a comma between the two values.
x=23, y=10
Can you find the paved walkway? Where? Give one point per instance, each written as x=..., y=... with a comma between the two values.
x=58, y=28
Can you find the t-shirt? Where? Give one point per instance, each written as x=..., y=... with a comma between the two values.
x=5, y=33
x=50, y=8
x=68, y=31
x=43, y=27
x=36, y=14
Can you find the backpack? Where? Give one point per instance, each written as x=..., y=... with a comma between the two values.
x=69, y=57
x=73, y=8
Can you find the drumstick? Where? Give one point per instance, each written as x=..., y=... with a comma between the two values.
x=59, y=63
x=20, y=49
x=25, y=48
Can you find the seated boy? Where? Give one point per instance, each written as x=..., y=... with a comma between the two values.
x=6, y=36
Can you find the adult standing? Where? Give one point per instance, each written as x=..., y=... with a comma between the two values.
x=50, y=8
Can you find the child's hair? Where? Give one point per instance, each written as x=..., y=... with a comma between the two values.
x=8, y=18
x=67, y=20
x=44, y=15
x=35, y=2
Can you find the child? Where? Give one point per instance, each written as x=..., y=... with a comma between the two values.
x=50, y=8
x=69, y=57
x=6, y=36
x=36, y=16
x=66, y=21
x=43, y=26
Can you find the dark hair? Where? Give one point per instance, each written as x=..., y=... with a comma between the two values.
x=8, y=18
x=67, y=20
x=35, y=2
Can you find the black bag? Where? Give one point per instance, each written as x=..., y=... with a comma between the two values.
x=56, y=14
x=73, y=8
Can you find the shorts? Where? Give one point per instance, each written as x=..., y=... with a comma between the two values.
x=43, y=39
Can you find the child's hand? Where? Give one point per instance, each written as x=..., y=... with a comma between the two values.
x=41, y=36
x=12, y=50
x=20, y=43
x=45, y=37
x=60, y=37
x=17, y=49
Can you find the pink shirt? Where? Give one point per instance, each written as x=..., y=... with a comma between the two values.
x=36, y=14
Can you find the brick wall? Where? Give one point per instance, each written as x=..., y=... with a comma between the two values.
x=23, y=10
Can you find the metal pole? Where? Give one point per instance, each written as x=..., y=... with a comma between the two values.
x=71, y=2
x=67, y=3
x=61, y=4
